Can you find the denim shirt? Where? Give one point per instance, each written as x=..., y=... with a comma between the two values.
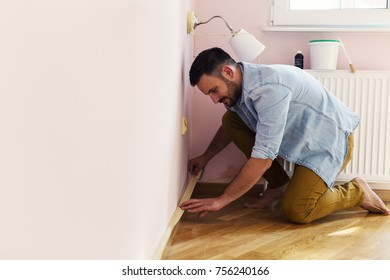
x=295, y=117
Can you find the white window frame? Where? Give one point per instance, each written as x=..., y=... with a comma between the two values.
x=281, y=15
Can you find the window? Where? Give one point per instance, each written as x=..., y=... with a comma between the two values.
x=331, y=13
x=337, y=4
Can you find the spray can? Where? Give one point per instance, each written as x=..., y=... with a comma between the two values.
x=298, y=59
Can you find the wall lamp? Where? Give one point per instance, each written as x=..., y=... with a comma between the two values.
x=244, y=44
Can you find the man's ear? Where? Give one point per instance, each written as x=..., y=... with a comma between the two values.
x=227, y=71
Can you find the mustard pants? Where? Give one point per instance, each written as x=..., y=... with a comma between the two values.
x=307, y=197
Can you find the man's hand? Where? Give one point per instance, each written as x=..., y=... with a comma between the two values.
x=251, y=172
x=197, y=164
x=202, y=206
x=219, y=142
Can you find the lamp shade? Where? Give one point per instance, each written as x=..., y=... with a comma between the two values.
x=246, y=46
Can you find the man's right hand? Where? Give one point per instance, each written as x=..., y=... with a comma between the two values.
x=197, y=164
x=219, y=142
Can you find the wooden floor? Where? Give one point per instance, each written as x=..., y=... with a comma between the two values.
x=239, y=233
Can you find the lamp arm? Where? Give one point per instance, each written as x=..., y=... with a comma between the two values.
x=204, y=22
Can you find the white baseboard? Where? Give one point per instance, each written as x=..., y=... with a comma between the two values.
x=175, y=217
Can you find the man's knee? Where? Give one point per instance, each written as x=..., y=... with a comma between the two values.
x=295, y=212
x=227, y=119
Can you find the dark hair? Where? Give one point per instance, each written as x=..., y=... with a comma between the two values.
x=207, y=62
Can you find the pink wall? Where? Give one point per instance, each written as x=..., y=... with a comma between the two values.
x=92, y=95
x=368, y=51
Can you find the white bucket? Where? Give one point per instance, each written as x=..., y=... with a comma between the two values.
x=324, y=54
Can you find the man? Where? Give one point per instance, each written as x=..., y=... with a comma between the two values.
x=280, y=110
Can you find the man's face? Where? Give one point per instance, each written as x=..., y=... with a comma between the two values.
x=220, y=89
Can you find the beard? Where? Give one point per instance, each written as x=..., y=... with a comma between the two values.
x=234, y=93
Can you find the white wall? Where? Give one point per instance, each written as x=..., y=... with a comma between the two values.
x=92, y=92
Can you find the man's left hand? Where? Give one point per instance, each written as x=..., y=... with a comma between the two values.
x=202, y=206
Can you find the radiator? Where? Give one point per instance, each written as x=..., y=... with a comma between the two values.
x=368, y=94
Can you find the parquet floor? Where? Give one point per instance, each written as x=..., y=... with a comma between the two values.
x=239, y=233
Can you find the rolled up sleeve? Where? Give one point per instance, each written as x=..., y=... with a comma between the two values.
x=272, y=106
